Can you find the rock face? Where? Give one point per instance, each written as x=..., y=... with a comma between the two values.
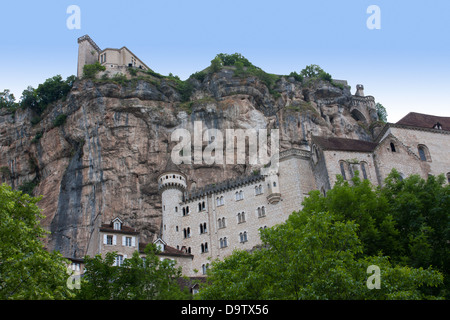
x=104, y=160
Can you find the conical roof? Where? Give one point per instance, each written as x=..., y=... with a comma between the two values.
x=171, y=167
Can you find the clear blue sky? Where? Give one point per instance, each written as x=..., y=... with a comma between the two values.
x=405, y=65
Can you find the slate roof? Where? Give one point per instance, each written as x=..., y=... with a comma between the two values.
x=168, y=251
x=421, y=120
x=343, y=144
x=124, y=229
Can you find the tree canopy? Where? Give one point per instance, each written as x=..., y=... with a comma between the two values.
x=138, y=278
x=27, y=270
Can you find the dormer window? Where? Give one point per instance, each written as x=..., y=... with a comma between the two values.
x=117, y=224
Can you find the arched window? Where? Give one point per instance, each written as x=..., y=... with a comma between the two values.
x=263, y=211
x=423, y=153
x=342, y=166
x=222, y=202
x=237, y=195
x=363, y=169
x=259, y=212
x=203, y=205
x=199, y=206
x=243, y=236
x=392, y=147
x=241, y=195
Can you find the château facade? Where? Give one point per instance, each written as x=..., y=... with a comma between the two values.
x=213, y=221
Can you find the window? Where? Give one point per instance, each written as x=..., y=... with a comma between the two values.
x=241, y=217
x=258, y=190
x=423, y=153
x=392, y=147
x=128, y=241
x=204, y=247
x=203, y=228
x=243, y=237
x=341, y=165
x=221, y=223
x=261, y=211
x=239, y=195
x=274, y=184
x=119, y=260
x=110, y=240
x=205, y=268
x=223, y=242
x=187, y=233
x=117, y=225
x=363, y=169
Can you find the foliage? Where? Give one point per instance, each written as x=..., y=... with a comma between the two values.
x=27, y=270
x=296, y=76
x=311, y=71
x=60, y=120
x=381, y=112
x=244, y=68
x=323, y=251
x=27, y=187
x=91, y=70
x=7, y=100
x=137, y=279
x=51, y=90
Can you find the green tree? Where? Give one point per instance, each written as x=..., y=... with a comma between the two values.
x=381, y=112
x=312, y=257
x=7, y=100
x=51, y=90
x=311, y=71
x=136, y=279
x=420, y=208
x=27, y=270
x=91, y=70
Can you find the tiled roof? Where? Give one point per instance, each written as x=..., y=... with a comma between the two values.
x=168, y=251
x=124, y=229
x=428, y=121
x=342, y=144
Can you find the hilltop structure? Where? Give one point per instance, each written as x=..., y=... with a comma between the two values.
x=115, y=60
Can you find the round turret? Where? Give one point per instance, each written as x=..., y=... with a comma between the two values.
x=171, y=177
x=172, y=184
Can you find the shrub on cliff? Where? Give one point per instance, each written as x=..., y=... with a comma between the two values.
x=51, y=90
x=91, y=70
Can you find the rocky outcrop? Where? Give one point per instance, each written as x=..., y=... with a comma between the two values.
x=104, y=160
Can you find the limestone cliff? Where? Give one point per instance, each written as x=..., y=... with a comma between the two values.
x=104, y=160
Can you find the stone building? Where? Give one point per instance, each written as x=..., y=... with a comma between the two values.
x=115, y=60
x=211, y=222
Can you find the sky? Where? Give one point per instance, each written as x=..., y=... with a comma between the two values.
x=404, y=64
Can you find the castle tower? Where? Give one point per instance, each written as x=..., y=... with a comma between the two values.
x=359, y=90
x=171, y=184
x=88, y=53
